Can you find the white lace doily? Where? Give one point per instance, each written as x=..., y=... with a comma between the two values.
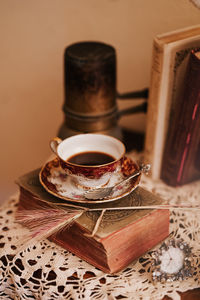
x=45, y=271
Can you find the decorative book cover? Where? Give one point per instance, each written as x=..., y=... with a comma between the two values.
x=122, y=236
x=181, y=159
x=169, y=61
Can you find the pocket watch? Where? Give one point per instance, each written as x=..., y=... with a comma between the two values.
x=172, y=261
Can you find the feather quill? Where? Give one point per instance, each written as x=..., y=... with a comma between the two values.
x=45, y=222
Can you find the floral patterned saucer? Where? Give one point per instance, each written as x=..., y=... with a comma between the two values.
x=57, y=182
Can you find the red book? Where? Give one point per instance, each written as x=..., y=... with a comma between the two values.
x=181, y=159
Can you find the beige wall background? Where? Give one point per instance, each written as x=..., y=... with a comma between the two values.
x=33, y=36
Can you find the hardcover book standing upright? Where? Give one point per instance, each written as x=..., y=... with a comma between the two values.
x=123, y=235
x=181, y=159
x=169, y=62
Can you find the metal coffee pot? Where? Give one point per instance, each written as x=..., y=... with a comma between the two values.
x=90, y=104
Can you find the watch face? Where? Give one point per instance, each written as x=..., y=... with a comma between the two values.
x=172, y=261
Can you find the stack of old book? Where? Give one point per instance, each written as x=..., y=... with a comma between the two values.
x=123, y=234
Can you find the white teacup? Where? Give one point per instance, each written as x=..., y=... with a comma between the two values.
x=90, y=158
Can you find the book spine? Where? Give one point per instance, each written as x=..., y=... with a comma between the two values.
x=183, y=133
x=153, y=104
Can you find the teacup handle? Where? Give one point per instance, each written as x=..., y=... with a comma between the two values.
x=54, y=144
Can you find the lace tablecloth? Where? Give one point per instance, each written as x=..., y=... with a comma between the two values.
x=46, y=271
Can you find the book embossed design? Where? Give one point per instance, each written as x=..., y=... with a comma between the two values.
x=122, y=236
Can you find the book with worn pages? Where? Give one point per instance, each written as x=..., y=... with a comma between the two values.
x=181, y=158
x=123, y=235
x=169, y=62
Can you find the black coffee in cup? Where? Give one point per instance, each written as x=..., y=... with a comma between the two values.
x=91, y=158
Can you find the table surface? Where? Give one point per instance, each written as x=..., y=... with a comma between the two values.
x=43, y=270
